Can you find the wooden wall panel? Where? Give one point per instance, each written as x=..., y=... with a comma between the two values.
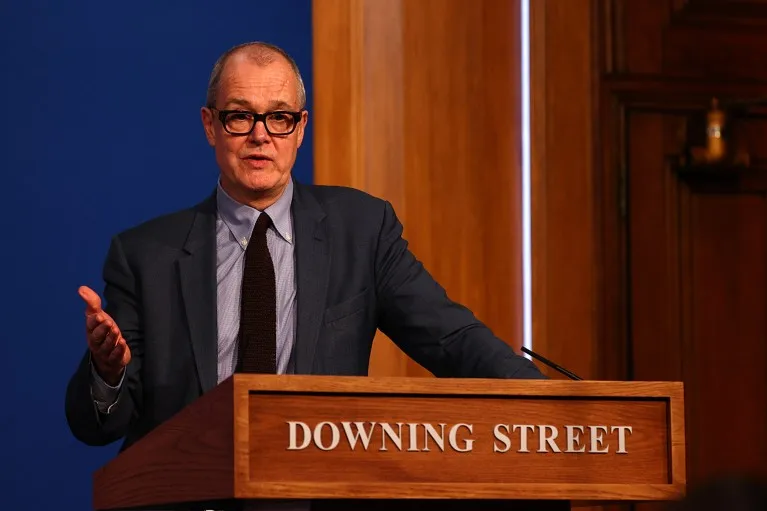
x=687, y=251
x=653, y=265
x=566, y=306
x=418, y=103
x=638, y=43
x=698, y=295
x=691, y=38
x=726, y=273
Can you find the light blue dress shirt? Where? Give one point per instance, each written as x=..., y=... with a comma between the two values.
x=234, y=225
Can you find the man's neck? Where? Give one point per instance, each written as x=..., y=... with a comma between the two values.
x=256, y=200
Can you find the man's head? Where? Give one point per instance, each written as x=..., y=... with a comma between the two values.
x=247, y=81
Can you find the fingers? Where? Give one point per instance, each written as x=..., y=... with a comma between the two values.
x=98, y=335
x=111, y=356
x=126, y=355
x=107, y=345
x=91, y=299
x=94, y=320
x=101, y=331
x=103, y=337
x=116, y=360
x=118, y=353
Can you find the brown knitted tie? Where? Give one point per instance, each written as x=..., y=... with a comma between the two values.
x=258, y=317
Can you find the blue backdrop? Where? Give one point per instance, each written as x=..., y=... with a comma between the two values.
x=83, y=155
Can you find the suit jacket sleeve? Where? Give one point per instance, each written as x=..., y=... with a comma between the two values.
x=122, y=297
x=441, y=335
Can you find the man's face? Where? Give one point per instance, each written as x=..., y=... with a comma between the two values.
x=256, y=166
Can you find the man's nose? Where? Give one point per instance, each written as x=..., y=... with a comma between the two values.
x=259, y=133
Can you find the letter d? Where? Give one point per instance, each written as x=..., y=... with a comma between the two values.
x=306, y=438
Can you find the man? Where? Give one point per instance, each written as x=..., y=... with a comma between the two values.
x=266, y=275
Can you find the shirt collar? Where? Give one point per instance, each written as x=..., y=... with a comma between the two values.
x=241, y=218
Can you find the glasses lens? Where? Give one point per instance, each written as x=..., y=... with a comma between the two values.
x=239, y=122
x=280, y=122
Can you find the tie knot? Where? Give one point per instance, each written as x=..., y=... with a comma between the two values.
x=262, y=224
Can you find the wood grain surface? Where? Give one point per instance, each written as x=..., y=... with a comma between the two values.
x=189, y=458
x=232, y=443
x=418, y=103
x=647, y=471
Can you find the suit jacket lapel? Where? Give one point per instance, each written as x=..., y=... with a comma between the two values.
x=197, y=273
x=312, y=271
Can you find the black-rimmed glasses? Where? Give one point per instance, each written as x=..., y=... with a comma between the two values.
x=242, y=122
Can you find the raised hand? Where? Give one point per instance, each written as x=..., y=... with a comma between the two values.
x=109, y=350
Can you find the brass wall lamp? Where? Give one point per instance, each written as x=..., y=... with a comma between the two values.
x=711, y=141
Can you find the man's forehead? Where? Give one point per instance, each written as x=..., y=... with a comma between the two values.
x=244, y=80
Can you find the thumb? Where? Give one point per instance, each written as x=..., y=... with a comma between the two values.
x=91, y=298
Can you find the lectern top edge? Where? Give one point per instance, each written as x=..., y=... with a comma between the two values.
x=458, y=386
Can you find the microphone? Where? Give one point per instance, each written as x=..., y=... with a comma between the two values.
x=551, y=364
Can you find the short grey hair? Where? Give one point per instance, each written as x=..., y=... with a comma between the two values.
x=262, y=54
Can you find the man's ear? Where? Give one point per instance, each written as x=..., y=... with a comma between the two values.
x=301, y=129
x=207, y=123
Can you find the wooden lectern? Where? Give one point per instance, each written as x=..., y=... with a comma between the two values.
x=426, y=443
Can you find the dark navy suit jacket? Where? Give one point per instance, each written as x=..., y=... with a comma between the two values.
x=354, y=274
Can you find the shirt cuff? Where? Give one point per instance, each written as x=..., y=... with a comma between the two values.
x=104, y=396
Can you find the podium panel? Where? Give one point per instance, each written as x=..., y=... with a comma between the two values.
x=317, y=437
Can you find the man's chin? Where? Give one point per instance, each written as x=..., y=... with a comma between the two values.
x=268, y=182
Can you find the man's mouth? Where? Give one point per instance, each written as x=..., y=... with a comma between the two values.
x=257, y=157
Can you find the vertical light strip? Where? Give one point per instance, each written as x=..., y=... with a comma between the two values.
x=527, y=306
